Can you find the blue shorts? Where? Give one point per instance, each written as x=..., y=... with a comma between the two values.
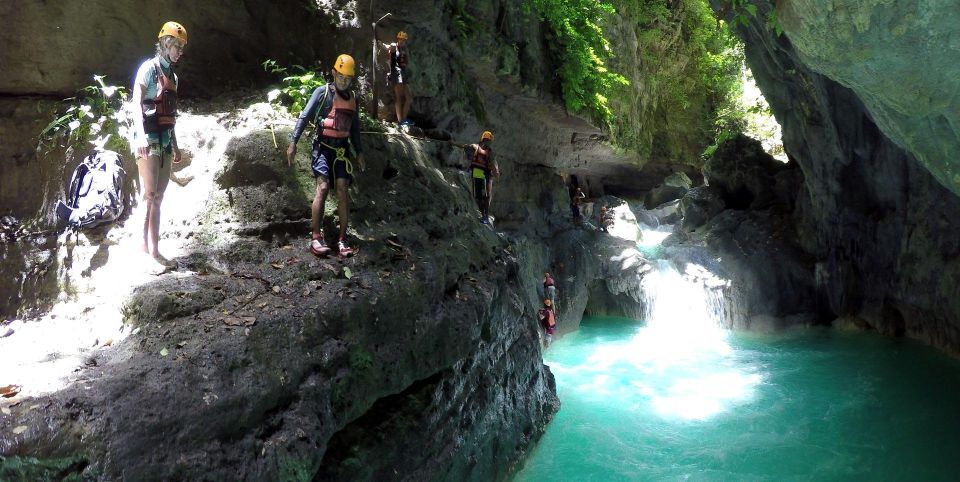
x=323, y=157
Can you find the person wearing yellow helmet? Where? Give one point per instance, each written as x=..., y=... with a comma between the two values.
x=398, y=78
x=333, y=108
x=154, y=140
x=482, y=166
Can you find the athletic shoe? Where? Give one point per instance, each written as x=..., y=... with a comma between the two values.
x=345, y=250
x=319, y=248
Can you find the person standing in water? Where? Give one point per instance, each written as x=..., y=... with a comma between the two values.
x=333, y=107
x=154, y=140
x=399, y=80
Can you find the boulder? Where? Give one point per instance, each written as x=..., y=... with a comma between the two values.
x=744, y=173
x=699, y=205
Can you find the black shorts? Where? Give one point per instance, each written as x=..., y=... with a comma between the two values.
x=324, y=156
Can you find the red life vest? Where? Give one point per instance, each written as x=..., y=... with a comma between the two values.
x=481, y=158
x=160, y=112
x=338, y=122
x=546, y=316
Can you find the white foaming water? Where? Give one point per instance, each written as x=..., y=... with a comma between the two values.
x=680, y=364
x=43, y=354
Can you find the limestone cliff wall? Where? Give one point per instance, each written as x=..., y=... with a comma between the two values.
x=872, y=211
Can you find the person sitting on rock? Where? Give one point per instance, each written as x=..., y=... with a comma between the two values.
x=548, y=320
x=333, y=107
x=402, y=98
x=154, y=140
x=550, y=288
x=482, y=165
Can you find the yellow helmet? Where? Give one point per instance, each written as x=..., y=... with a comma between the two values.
x=345, y=65
x=174, y=30
x=487, y=135
x=401, y=35
x=547, y=302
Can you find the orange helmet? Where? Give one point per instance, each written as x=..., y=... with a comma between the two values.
x=401, y=35
x=487, y=135
x=174, y=30
x=345, y=65
x=547, y=302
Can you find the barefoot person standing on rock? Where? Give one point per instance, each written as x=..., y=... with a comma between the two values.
x=333, y=108
x=154, y=139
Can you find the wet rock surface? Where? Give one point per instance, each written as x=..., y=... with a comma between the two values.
x=877, y=222
x=252, y=359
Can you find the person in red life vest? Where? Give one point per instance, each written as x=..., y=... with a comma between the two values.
x=548, y=320
x=398, y=78
x=605, y=219
x=154, y=140
x=550, y=288
x=333, y=108
x=483, y=169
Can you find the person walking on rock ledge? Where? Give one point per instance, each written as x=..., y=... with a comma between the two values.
x=548, y=319
x=154, y=140
x=399, y=80
x=333, y=108
x=550, y=289
x=482, y=165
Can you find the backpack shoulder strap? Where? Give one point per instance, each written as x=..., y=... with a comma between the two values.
x=322, y=110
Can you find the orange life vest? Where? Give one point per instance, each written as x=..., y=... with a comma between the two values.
x=160, y=112
x=338, y=122
x=481, y=159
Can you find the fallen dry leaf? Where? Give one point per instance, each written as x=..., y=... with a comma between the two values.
x=276, y=289
x=19, y=430
x=164, y=351
x=10, y=391
x=277, y=265
x=108, y=342
x=293, y=260
x=394, y=245
x=240, y=320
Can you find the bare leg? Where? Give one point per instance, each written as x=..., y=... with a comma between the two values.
x=343, y=208
x=162, y=180
x=397, y=101
x=316, y=210
x=407, y=99
x=149, y=168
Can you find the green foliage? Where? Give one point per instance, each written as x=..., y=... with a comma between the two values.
x=296, y=88
x=461, y=21
x=583, y=51
x=685, y=75
x=743, y=10
x=96, y=114
x=68, y=469
x=360, y=360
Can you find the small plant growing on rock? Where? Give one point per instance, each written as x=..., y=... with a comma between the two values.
x=584, y=52
x=96, y=114
x=298, y=84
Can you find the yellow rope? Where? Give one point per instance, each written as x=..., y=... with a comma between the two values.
x=341, y=155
